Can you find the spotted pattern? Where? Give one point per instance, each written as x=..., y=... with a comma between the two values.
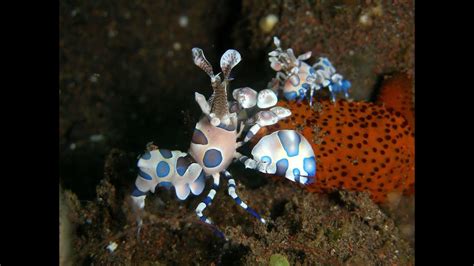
x=290, y=141
x=230, y=127
x=144, y=175
x=266, y=159
x=162, y=169
x=165, y=184
x=212, y=158
x=165, y=153
x=282, y=166
x=290, y=95
x=309, y=165
x=199, y=137
x=137, y=192
x=397, y=96
x=182, y=165
x=296, y=174
x=146, y=156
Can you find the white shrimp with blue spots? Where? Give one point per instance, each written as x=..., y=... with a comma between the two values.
x=286, y=153
x=295, y=78
x=214, y=144
x=168, y=169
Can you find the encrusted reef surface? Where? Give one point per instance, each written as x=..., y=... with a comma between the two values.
x=127, y=78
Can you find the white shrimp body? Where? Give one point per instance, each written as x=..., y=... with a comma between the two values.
x=286, y=153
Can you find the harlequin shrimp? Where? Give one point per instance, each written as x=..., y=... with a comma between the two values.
x=295, y=77
x=215, y=142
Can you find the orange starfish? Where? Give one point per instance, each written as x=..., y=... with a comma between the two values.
x=396, y=94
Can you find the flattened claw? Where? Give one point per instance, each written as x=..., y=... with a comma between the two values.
x=201, y=61
x=281, y=112
x=246, y=97
x=266, y=98
x=266, y=118
x=228, y=61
